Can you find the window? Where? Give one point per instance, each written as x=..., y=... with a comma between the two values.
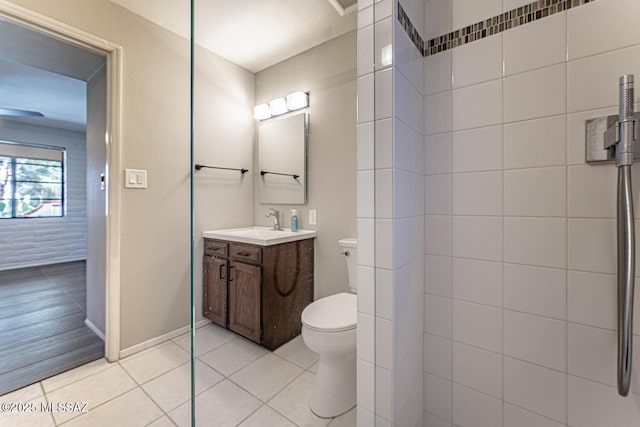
x=31, y=181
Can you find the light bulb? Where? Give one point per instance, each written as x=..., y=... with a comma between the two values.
x=261, y=112
x=297, y=100
x=278, y=106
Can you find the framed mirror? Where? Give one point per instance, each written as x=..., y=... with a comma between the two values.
x=282, y=159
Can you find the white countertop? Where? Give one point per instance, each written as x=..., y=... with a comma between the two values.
x=263, y=236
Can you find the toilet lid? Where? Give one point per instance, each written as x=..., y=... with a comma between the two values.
x=334, y=313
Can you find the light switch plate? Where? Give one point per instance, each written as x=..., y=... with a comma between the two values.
x=135, y=178
x=313, y=217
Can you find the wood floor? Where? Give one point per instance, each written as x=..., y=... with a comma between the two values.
x=42, y=330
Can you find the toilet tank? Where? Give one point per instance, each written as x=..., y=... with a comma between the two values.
x=349, y=248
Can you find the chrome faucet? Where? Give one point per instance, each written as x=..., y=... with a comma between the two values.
x=276, y=218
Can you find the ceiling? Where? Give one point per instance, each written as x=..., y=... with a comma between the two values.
x=61, y=99
x=40, y=73
x=254, y=34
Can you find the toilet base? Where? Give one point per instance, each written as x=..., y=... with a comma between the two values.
x=335, y=388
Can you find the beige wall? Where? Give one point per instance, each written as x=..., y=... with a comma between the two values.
x=223, y=136
x=328, y=72
x=155, y=130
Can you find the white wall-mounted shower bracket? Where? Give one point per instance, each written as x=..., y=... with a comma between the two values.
x=602, y=137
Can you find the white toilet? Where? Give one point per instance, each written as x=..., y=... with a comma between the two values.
x=329, y=329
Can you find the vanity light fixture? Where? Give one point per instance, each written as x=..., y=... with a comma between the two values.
x=276, y=107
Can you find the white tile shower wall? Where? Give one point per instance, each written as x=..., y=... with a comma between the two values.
x=520, y=287
x=467, y=12
x=366, y=154
x=409, y=225
x=391, y=200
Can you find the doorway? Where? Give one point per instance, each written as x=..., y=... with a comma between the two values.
x=53, y=283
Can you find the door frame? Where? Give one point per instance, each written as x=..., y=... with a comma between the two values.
x=113, y=142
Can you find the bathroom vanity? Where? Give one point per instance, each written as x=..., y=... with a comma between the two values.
x=257, y=281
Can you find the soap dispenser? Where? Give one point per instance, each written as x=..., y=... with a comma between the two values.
x=294, y=220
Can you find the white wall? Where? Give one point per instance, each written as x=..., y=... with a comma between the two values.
x=390, y=218
x=328, y=72
x=41, y=241
x=520, y=325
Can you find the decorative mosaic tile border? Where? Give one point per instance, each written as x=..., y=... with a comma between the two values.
x=413, y=34
x=514, y=18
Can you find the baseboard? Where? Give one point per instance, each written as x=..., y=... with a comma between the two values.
x=95, y=329
x=160, y=339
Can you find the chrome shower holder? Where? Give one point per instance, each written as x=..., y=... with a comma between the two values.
x=602, y=135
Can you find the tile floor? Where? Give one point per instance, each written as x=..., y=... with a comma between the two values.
x=238, y=383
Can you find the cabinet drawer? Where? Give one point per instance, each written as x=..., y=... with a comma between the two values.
x=216, y=247
x=246, y=253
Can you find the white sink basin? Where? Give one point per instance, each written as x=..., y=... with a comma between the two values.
x=263, y=236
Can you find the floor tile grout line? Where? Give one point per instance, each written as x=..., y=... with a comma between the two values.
x=159, y=418
x=158, y=404
x=156, y=376
x=188, y=399
x=251, y=414
x=106, y=401
x=263, y=403
x=109, y=365
x=46, y=399
x=276, y=393
x=280, y=390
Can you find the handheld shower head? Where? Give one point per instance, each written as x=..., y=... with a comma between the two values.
x=626, y=97
x=626, y=122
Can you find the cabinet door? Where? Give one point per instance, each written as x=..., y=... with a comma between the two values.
x=214, y=286
x=244, y=300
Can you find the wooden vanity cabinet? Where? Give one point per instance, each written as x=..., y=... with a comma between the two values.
x=258, y=292
x=245, y=286
x=215, y=272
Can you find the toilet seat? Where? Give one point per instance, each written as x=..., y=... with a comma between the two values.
x=335, y=313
